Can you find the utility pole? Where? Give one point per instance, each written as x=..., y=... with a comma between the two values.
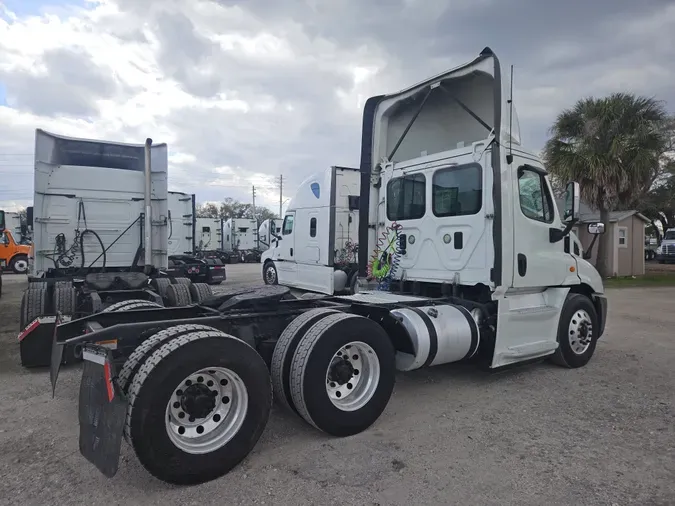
x=281, y=193
x=254, y=215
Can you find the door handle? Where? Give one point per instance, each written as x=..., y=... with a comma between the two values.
x=522, y=264
x=291, y=251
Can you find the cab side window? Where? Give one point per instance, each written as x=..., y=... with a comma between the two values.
x=535, y=200
x=288, y=225
x=3, y=238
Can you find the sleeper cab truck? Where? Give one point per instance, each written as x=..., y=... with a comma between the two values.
x=451, y=197
x=240, y=239
x=317, y=246
x=97, y=204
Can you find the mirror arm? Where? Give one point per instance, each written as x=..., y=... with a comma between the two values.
x=557, y=235
x=589, y=253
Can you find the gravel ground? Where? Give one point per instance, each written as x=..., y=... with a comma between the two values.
x=601, y=435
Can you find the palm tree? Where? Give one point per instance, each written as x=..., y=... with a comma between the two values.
x=612, y=146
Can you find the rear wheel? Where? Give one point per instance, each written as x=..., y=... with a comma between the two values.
x=353, y=358
x=65, y=301
x=178, y=295
x=284, y=350
x=200, y=292
x=197, y=407
x=33, y=304
x=181, y=281
x=136, y=303
x=19, y=264
x=161, y=285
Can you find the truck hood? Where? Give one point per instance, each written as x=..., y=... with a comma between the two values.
x=589, y=275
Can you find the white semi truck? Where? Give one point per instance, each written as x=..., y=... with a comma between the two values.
x=240, y=239
x=181, y=216
x=100, y=224
x=209, y=232
x=484, y=274
x=665, y=252
x=318, y=245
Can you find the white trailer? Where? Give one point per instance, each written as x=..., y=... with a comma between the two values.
x=462, y=257
x=209, y=234
x=317, y=248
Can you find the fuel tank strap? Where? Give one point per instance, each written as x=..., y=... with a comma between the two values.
x=433, y=336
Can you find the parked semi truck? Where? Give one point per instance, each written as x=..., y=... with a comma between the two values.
x=318, y=244
x=100, y=222
x=483, y=275
x=665, y=252
x=240, y=239
x=185, y=259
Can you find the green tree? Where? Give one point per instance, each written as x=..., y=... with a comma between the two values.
x=613, y=146
x=232, y=208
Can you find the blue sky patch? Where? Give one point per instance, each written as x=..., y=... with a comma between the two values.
x=36, y=7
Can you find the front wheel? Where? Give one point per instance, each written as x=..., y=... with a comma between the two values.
x=270, y=274
x=197, y=406
x=577, y=332
x=19, y=264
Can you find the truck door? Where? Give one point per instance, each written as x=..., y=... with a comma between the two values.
x=537, y=261
x=286, y=263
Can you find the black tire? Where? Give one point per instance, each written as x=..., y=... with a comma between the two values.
x=63, y=284
x=147, y=347
x=353, y=280
x=38, y=285
x=310, y=364
x=282, y=357
x=146, y=304
x=270, y=273
x=153, y=387
x=19, y=264
x=161, y=285
x=565, y=356
x=65, y=301
x=178, y=295
x=200, y=292
x=120, y=306
x=33, y=304
x=181, y=281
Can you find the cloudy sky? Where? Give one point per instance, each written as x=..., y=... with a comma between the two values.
x=243, y=91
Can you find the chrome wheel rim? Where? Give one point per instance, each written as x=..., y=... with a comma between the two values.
x=21, y=265
x=197, y=424
x=352, y=376
x=270, y=275
x=580, y=332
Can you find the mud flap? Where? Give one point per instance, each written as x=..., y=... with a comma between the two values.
x=102, y=410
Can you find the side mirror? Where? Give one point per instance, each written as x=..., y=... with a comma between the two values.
x=596, y=228
x=572, y=202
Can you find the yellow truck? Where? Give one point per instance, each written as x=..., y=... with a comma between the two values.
x=13, y=255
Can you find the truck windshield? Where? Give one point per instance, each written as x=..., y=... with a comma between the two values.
x=670, y=235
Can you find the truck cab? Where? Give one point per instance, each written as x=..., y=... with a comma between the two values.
x=316, y=249
x=14, y=254
x=666, y=250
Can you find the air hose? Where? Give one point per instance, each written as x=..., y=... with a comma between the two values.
x=386, y=257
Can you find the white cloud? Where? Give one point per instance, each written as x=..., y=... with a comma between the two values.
x=245, y=91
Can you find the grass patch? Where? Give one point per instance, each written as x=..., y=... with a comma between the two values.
x=651, y=279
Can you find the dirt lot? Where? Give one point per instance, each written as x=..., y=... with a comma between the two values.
x=450, y=435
